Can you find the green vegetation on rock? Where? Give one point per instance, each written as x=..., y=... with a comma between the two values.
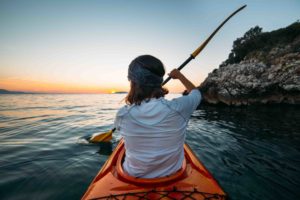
x=255, y=42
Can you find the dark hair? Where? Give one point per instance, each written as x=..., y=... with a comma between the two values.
x=138, y=92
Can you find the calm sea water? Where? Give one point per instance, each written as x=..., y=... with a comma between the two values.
x=253, y=152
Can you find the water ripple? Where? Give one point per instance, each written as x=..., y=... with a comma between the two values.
x=253, y=152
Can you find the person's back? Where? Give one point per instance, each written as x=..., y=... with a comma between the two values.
x=154, y=128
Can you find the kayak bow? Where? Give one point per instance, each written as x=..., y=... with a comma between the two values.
x=192, y=181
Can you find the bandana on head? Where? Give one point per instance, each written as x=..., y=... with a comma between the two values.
x=142, y=76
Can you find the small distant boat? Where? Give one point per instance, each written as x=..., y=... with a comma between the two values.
x=192, y=181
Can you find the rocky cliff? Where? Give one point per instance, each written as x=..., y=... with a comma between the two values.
x=263, y=68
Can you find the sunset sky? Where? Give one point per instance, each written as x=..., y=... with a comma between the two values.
x=85, y=46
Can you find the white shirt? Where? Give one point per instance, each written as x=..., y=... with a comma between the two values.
x=154, y=134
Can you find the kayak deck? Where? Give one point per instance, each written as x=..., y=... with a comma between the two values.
x=192, y=181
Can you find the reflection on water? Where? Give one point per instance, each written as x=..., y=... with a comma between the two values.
x=40, y=157
x=253, y=152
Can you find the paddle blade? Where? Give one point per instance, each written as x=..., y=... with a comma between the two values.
x=102, y=137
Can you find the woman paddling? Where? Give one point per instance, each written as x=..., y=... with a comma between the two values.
x=154, y=128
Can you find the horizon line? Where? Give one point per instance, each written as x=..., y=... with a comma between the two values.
x=31, y=92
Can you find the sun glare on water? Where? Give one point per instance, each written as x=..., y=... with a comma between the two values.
x=113, y=91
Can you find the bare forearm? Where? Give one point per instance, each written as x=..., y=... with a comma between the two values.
x=187, y=83
x=176, y=74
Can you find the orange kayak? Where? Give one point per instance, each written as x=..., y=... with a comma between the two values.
x=192, y=181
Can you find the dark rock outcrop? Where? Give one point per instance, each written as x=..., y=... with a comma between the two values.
x=2, y=91
x=262, y=77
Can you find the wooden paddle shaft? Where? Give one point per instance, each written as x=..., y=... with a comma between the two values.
x=202, y=46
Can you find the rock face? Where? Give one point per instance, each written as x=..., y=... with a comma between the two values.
x=253, y=83
x=262, y=77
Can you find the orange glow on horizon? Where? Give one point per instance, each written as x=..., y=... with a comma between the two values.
x=15, y=84
x=28, y=85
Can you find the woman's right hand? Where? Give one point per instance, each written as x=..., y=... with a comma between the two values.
x=175, y=74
